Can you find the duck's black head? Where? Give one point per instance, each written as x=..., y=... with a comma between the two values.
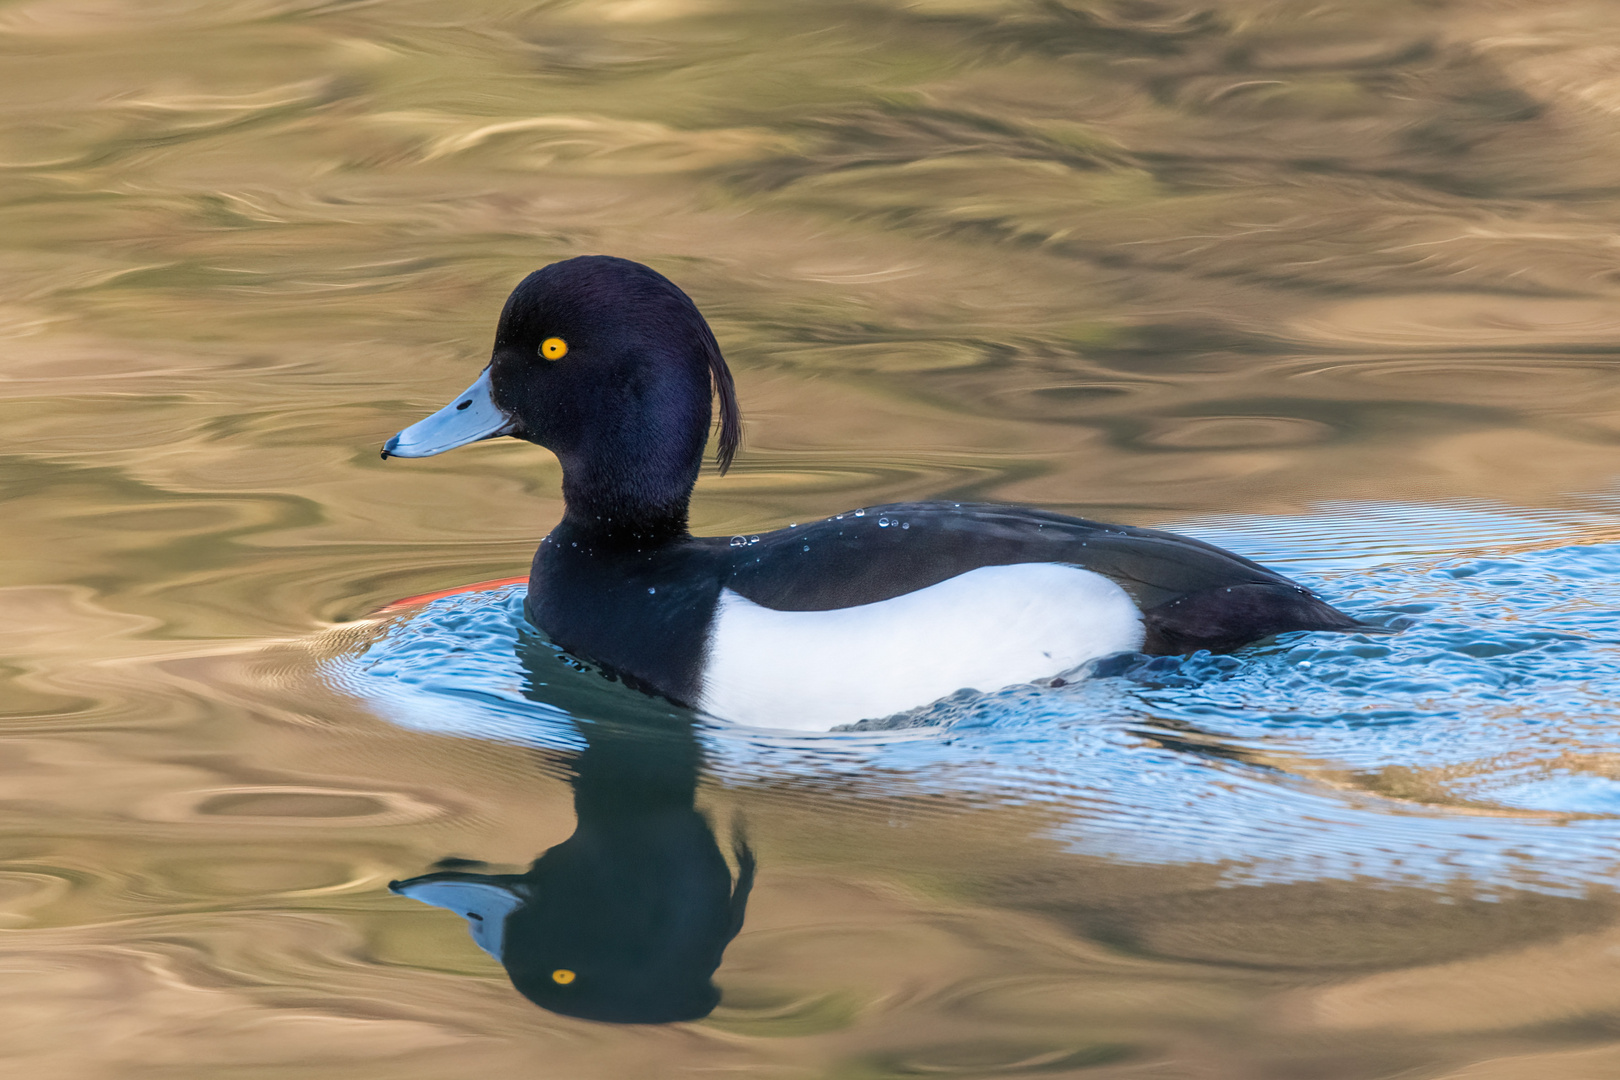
x=625, y=922
x=608, y=365
x=628, y=919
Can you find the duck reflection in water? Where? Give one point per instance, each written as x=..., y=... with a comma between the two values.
x=627, y=919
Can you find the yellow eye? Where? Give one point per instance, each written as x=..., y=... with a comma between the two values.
x=562, y=976
x=555, y=348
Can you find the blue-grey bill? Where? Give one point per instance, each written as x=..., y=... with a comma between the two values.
x=484, y=904
x=472, y=416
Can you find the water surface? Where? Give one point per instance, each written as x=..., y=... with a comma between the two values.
x=1334, y=287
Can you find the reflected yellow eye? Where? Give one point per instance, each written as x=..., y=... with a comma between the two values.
x=555, y=348
x=562, y=976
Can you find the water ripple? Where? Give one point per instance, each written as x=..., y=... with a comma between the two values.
x=1473, y=745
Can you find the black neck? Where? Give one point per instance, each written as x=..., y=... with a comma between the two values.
x=624, y=511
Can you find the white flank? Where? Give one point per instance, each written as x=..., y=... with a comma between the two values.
x=988, y=628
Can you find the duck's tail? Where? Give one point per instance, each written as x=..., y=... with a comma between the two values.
x=1227, y=618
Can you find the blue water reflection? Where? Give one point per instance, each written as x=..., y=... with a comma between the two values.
x=1475, y=746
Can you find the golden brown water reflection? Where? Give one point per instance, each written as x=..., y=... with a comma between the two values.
x=1140, y=260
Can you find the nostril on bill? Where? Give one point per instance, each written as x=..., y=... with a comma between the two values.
x=463, y=405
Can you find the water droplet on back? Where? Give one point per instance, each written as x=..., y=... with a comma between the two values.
x=739, y=541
